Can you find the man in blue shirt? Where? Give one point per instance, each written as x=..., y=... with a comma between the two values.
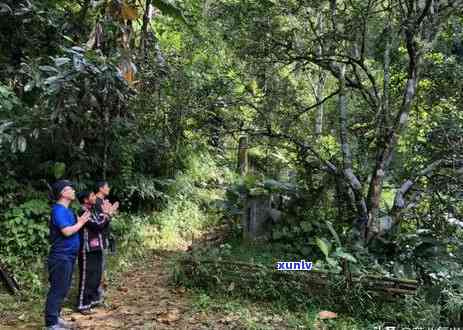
x=65, y=244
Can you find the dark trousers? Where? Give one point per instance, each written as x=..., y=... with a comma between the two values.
x=60, y=276
x=90, y=271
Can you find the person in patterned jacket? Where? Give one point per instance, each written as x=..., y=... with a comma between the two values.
x=90, y=257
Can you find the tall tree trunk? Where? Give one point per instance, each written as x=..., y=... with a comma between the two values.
x=318, y=98
x=376, y=184
x=390, y=141
x=348, y=172
x=413, y=26
x=243, y=156
x=320, y=86
x=105, y=142
x=144, y=32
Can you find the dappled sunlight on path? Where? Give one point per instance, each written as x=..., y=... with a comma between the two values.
x=145, y=300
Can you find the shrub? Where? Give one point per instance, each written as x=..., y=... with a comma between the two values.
x=24, y=241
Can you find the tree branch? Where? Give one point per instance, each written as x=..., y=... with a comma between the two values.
x=326, y=98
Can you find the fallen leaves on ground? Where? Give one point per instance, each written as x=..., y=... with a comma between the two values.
x=169, y=317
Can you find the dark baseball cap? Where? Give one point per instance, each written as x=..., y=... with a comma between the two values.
x=59, y=186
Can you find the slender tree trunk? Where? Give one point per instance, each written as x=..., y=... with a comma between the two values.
x=320, y=87
x=105, y=143
x=342, y=108
x=318, y=98
x=348, y=172
x=243, y=156
x=144, y=32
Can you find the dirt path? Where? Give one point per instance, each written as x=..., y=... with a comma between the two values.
x=140, y=298
x=143, y=299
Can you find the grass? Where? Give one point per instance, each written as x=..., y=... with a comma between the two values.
x=357, y=308
x=269, y=315
x=251, y=252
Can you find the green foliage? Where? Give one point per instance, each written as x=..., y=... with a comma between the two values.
x=58, y=170
x=9, y=192
x=157, y=112
x=128, y=230
x=169, y=9
x=83, y=106
x=339, y=256
x=190, y=202
x=325, y=247
x=179, y=223
x=296, y=292
x=362, y=304
x=184, y=205
x=8, y=100
x=141, y=192
x=10, y=133
x=24, y=240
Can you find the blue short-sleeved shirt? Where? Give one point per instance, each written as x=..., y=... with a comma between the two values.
x=63, y=246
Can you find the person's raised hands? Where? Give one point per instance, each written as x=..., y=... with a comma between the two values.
x=115, y=207
x=106, y=207
x=83, y=219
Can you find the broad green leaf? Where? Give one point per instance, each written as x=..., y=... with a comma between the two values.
x=61, y=61
x=48, y=68
x=68, y=39
x=331, y=261
x=333, y=232
x=324, y=246
x=29, y=86
x=59, y=170
x=169, y=9
x=345, y=255
x=22, y=144
x=4, y=8
x=4, y=91
x=8, y=106
x=78, y=49
x=52, y=80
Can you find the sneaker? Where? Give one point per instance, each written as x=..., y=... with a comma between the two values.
x=56, y=327
x=102, y=304
x=64, y=323
x=88, y=311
